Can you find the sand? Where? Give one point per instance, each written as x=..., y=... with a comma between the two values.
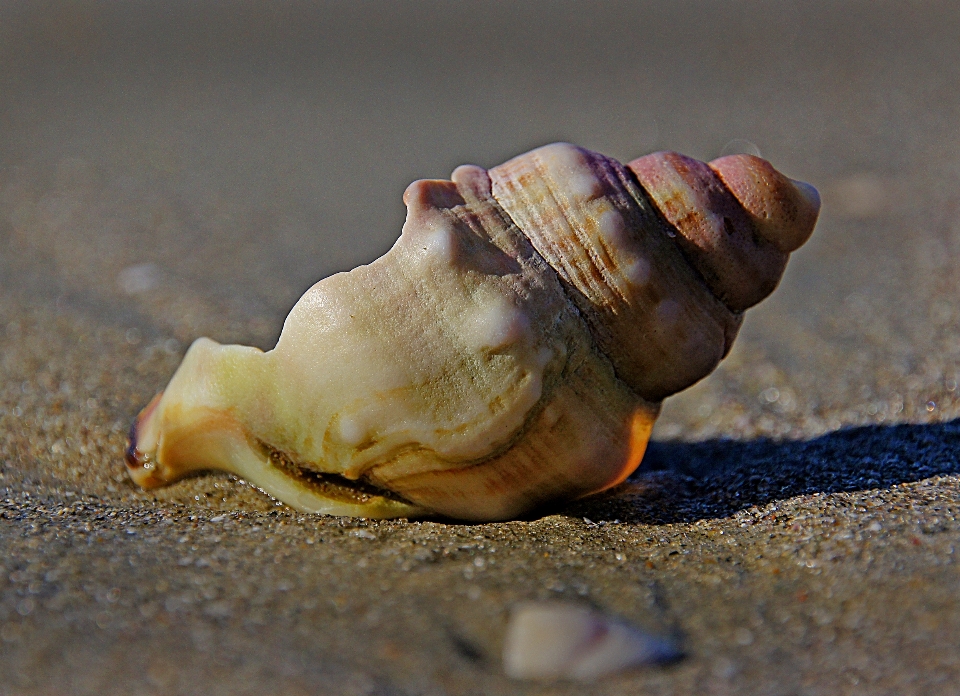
x=168, y=172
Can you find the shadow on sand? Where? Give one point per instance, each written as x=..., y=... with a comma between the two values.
x=688, y=481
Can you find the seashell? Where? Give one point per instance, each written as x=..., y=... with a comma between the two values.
x=558, y=640
x=511, y=349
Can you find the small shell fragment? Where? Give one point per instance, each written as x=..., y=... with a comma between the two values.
x=558, y=640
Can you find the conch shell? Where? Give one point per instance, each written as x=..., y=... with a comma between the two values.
x=511, y=349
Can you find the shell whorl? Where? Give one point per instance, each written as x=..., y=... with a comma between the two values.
x=662, y=256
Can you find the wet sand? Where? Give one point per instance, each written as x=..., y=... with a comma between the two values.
x=172, y=172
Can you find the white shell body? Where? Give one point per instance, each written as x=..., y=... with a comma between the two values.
x=512, y=348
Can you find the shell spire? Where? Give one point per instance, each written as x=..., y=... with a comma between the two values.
x=552, y=303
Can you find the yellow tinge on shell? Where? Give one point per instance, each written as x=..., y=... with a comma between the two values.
x=511, y=349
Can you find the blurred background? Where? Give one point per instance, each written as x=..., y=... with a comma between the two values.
x=186, y=168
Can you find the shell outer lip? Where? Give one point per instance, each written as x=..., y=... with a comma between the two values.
x=137, y=461
x=134, y=458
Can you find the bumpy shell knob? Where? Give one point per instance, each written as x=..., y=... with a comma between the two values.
x=511, y=349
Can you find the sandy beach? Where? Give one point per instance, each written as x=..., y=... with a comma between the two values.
x=172, y=170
